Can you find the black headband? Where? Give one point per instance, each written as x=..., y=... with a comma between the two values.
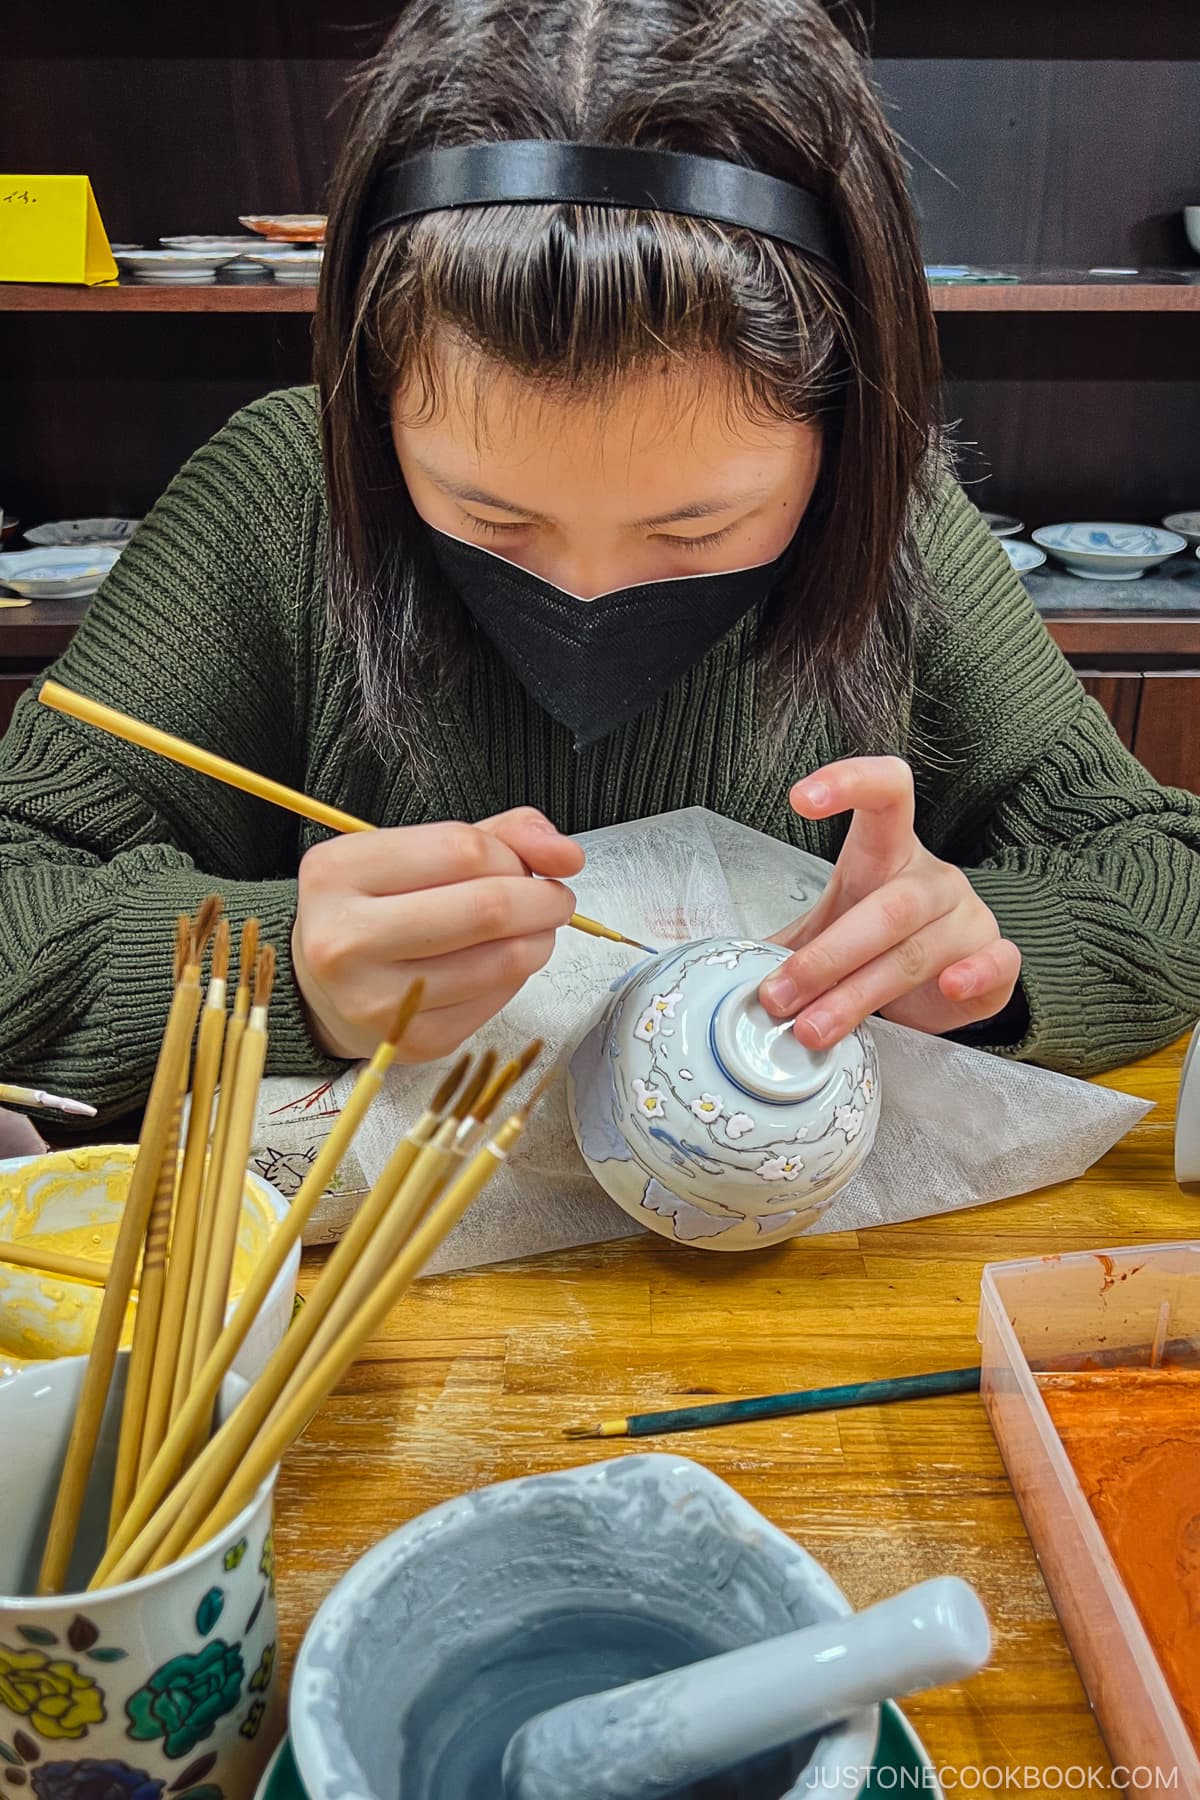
x=665, y=181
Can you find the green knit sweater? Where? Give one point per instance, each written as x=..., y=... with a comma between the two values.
x=213, y=626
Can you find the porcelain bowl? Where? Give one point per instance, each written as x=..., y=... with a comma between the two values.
x=1101, y=551
x=1023, y=557
x=499, y=1604
x=703, y=1116
x=83, y=531
x=72, y=1200
x=1191, y=224
x=1187, y=524
x=57, y=573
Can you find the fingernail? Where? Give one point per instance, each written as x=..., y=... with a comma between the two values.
x=814, y=793
x=780, y=994
x=964, y=986
x=818, y=1024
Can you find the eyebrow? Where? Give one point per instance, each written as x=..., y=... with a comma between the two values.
x=695, y=509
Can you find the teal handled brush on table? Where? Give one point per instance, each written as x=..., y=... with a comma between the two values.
x=785, y=1406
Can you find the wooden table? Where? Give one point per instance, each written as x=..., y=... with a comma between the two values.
x=478, y=1373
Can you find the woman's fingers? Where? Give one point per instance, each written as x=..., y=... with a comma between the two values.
x=887, y=921
x=879, y=792
x=530, y=835
x=909, y=973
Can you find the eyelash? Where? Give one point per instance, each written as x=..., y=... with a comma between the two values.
x=489, y=528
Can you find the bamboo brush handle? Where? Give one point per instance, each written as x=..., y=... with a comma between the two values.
x=299, y=1402
x=145, y=1329
x=53, y=1262
x=219, y=768
x=187, y=1212
x=411, y=1171
x=200, y=1399
x=89, y=1412
x=202, y=1249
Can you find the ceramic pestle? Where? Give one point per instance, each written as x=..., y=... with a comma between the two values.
x=657, y=1736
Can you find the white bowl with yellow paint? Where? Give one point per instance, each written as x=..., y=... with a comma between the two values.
x=71, y=1201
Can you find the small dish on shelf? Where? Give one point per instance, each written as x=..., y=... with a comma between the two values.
x=1187, y=524
x=286, y=228
x=1100, y=550
x=1002, y=525
x=58, y=573
x=174, y=268
x=1191, y=224
x=290, y=264
x=57, y=533
x=1023, y=557
x=208, y=246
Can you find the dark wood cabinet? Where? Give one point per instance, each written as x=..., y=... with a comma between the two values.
x=1053, y=141
x=1168, y=731
x=1121, y=698
x=12, y=686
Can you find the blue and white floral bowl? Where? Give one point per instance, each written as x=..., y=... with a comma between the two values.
x=1102, y=551
x=704, y=1117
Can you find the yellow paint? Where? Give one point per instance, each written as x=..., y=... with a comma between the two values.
x=71, y=1201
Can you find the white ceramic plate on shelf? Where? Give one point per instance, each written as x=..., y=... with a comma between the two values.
x=1021, y=555
x=175, y=268
x=1002, y=525
x=1187, y=524
x=212, y=246
x=71, y=532
x=1101, y=550
x=57, y=573
x=289, y=264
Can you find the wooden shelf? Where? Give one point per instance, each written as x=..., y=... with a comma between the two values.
x=1035, y=295
x=43, y=630
x=284, y=297
x=40, y=631
x=1076, y=297
x=1136, y=635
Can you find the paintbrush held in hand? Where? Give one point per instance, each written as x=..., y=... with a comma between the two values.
x=176, y=1484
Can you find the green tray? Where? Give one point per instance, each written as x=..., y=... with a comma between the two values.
x=899, y=1758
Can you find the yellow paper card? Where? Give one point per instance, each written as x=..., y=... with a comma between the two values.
x=51, y=230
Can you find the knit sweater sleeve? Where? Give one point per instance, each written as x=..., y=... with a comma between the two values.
x=198, y=629
x=1090, y=866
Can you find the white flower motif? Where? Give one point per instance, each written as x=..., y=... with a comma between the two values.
x=848, y=1119
x=737, y=1125
x=864, y=1080
x=708, y=1106
x=649, y=1100
x=686, y=1075
x=665, y=1003
x=779, y=1168
x=724, y=959
x=801, y=1135
x=647, y=1026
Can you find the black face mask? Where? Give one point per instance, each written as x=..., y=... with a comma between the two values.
x=595, y=664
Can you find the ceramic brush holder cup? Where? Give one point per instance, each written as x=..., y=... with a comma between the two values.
x=704, y=1117
x=165, y=1684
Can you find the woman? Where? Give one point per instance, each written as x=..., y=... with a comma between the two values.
x=621, y=491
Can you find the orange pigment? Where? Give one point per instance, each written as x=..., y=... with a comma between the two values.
x=1133, y=1437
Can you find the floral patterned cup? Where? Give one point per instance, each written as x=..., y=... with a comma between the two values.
x=705, y=1118
x=164, y=1686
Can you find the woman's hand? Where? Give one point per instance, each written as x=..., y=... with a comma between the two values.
x=896, y=931
x=451, y=903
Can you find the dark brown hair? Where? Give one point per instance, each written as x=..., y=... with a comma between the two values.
x=573, y=295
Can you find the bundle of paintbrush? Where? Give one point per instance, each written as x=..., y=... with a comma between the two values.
x=176, y=1483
